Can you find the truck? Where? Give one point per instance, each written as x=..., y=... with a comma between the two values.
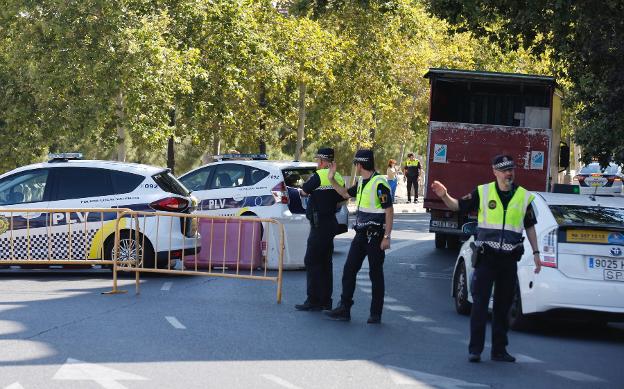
x=476, y=115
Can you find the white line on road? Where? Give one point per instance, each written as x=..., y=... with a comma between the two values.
x=398, y=308
x=401, y=376
x=15, y=385
x=419, y=319
x=402, y=245
x=576, y=376
x=527, y=359
x=366, y=290
x=175, y=322
x=166, y=286
x=389, y=299
x=366, y=283
x=441, y=276
x=443, y=330
x=280, y=381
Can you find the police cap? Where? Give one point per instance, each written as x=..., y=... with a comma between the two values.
x=363, y=156
x=326, y=153
x=503, y=162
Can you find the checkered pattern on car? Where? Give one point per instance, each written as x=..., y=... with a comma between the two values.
x=58, y=245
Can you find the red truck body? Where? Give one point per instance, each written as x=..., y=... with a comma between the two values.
x=477, y=115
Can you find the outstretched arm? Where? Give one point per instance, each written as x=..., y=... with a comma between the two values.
x=440, y=190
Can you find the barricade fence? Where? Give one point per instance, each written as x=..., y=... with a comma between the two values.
x=48, y=237
x=142, y=242
x=193, y=244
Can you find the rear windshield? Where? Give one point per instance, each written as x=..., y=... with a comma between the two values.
x=296, y=177
x=575, y=214
x=167, y=182
x=595, y=168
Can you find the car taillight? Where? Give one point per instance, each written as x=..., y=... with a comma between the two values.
x=280, y=193
x=170, y=204
x=548, y=252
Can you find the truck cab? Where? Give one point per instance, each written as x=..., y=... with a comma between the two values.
x=475, y=115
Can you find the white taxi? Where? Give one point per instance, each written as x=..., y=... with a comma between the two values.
x=250, y=185
x=581, y=240
x=68, y=182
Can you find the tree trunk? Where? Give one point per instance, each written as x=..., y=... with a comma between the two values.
x=302, y=118
x=171, y=155
x=121, y=129
x=215, y=148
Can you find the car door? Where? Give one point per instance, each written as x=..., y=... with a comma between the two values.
x=73, y=233
x=198, y=182
x=221, y=196
x=23, y=234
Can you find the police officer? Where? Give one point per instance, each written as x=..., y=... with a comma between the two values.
x=412, y=172
x=373, y=225
x=321, y=212
x=504, y=209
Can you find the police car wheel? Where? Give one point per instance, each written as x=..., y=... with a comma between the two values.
x=128, y=248
x=460, y=289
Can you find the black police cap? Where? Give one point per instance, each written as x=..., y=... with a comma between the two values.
x=503, y=162
x=325, y=153
x=362, y=156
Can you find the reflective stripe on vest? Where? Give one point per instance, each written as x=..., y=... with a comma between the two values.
x=369, y=210
x=499, y=228
x=325, y=183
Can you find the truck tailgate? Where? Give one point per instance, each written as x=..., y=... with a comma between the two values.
x=460, y=156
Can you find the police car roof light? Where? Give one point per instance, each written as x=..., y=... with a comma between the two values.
x=255, y=157
x=56, y=157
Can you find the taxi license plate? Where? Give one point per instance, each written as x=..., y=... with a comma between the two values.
x=612, y=269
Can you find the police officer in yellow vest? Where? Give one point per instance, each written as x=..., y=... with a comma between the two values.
x=321, y=212
x=373, y=225
x=411, y=172
x=504, y=210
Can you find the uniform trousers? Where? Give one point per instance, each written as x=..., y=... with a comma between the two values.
x=412, y=181
x=318, y=261
x=503, y=274
x=362, y=247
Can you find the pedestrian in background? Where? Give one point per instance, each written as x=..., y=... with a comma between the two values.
x=411, y=169
x=504, y=210
x=321, y=212
x=391, y=174
x=373, y=225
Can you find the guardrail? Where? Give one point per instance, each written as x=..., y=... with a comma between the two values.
x=213, y=246
x=67, y=236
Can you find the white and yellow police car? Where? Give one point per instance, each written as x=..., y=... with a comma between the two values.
x=68, y=182
x=251, y=185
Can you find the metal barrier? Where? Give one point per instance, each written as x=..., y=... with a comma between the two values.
x=68, y=236
x=227, y=246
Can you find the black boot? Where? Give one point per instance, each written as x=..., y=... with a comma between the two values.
x=341, y=313
x=308, y=306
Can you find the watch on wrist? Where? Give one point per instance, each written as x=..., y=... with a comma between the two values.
x=387, y=236
x=536, y=252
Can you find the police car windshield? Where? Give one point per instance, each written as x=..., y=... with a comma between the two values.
x=296, y=177
x=592, y=216
x=167, y=182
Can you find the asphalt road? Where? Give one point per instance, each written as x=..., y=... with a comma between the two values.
x=58, y=331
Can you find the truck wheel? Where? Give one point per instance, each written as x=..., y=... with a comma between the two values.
x=517, y=320
x=460, y=289
x=452, y=242
x=440, y=240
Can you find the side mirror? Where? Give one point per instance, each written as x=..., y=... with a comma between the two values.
x=470, y=228
x=564, y=156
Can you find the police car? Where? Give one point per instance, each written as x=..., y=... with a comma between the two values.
x=581, y=244
x=251, y=185
x=67, y=181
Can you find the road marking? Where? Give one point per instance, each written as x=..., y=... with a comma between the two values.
x=402, y=245
x=443, y=330
x=166, y=286
x=364, y=283
x=398, y=308
x=419, y=319
x=175, y=322
x=521, y=358
x=106, y=377
x=15, y=385
x=440, y=276
x=576, y=376
x=389, y=299
x=448, y=269
x=366, y=290
x=280, y=381
x=402, y=376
